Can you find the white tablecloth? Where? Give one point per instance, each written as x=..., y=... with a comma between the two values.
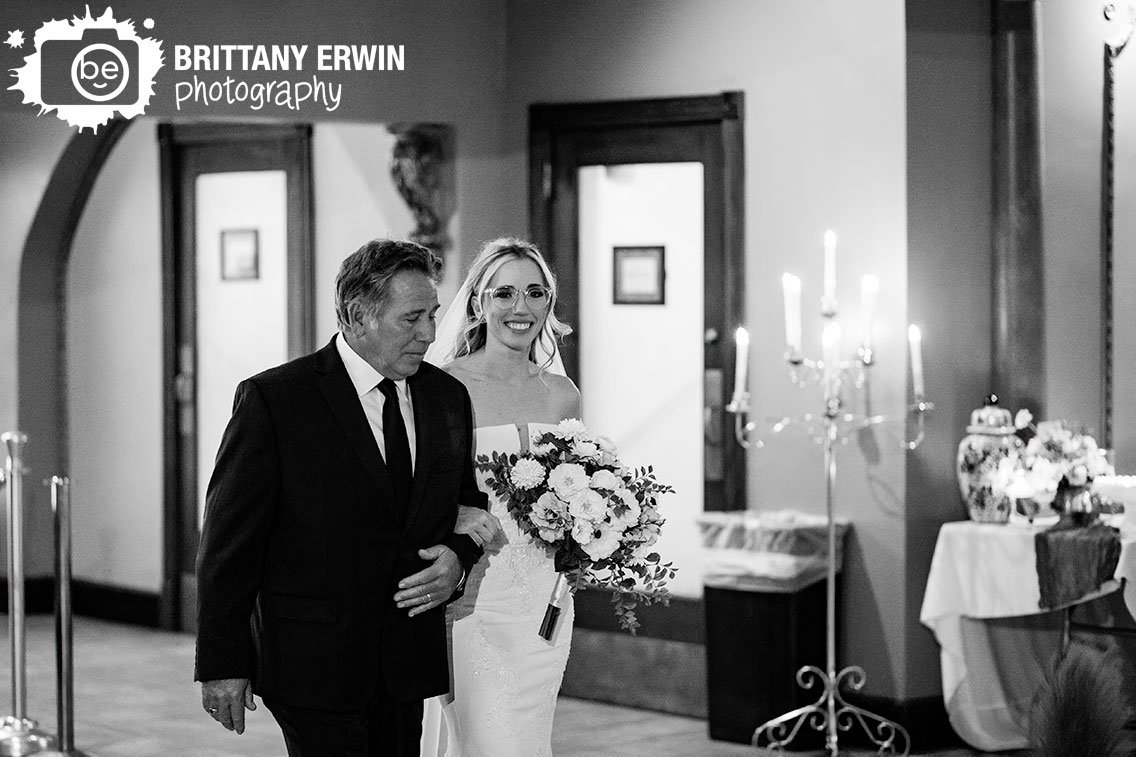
x=981, y=603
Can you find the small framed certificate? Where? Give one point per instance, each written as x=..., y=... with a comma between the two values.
x=240, y=254
x=639, y=276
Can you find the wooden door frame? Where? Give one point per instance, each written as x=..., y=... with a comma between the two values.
x=721, y=117
x=294, y=142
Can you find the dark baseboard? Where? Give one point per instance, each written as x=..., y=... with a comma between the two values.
x=925, y=719
x=95, y=600
x=90, y=599
x=39, y=595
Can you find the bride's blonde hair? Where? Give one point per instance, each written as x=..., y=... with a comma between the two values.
x=471, y=337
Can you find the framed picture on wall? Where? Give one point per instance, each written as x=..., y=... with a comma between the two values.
x=639, y=276
x=240, y=254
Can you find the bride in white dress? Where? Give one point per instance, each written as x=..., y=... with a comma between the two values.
x=499, y=338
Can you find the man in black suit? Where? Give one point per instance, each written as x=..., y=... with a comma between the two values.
x=328, y=550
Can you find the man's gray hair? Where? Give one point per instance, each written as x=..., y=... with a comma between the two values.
x=365, y=275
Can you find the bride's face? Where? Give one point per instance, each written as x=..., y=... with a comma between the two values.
x=516, y=304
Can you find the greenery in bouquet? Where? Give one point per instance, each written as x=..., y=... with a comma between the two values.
x=601, y=518
x=1056, y=456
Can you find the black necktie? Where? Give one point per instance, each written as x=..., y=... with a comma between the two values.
x=397, y=444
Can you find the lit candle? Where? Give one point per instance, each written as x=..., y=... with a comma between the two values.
x=791, y=287
x=915, y=340
x=830, y=348
x=869, y=288
x=741, y=364
x=830, y=271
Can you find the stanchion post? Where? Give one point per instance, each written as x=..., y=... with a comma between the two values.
x=16, y=612
x=18, y=735
x=64, y=636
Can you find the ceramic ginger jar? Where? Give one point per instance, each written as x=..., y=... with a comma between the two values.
x=990, y=438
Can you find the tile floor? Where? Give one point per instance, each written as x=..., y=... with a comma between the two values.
x=134, y=697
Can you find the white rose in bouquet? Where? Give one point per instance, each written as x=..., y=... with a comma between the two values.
x=549, y=515
x=587, y=505
x=605, y=479
x=568, y=480
x=583, y=532
x=606, y=444
x=585, y=449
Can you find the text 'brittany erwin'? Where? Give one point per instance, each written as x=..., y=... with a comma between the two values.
x=288, y=57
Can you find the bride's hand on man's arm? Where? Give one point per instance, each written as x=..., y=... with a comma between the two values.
x=479, y=525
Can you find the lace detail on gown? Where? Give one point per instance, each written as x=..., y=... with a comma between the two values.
x=505, y=677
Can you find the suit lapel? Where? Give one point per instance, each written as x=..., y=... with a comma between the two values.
x=339, y=392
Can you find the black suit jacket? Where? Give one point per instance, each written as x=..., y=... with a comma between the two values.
x=303, y=545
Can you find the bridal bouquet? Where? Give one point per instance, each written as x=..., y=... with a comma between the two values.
x=571, y=493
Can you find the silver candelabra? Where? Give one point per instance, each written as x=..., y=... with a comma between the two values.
x=831, y=713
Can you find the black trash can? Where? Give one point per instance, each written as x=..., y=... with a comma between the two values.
x=765, y=600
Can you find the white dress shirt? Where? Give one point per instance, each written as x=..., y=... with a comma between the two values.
x=366, y=381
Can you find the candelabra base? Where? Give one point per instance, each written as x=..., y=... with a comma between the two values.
x=20, y=736
x=832, y=715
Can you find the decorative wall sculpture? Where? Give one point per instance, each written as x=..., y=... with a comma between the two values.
x=422, y=167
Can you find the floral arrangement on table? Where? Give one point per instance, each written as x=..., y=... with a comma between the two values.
x=571, y=492
x=1007, y=464
x=1055, y=458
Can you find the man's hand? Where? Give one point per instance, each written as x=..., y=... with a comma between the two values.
x=225, y=701
x=432, y=586
x=478, y=524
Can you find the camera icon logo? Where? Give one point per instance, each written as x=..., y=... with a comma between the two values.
x=90, y=70
x=98, y=68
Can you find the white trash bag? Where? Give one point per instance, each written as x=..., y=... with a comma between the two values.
x=775, y=551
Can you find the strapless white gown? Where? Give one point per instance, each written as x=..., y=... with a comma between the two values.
x=505, y=677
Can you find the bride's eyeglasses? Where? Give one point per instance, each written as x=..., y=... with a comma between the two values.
x=504, y=297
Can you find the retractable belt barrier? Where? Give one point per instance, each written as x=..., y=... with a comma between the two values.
x=20, y=735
